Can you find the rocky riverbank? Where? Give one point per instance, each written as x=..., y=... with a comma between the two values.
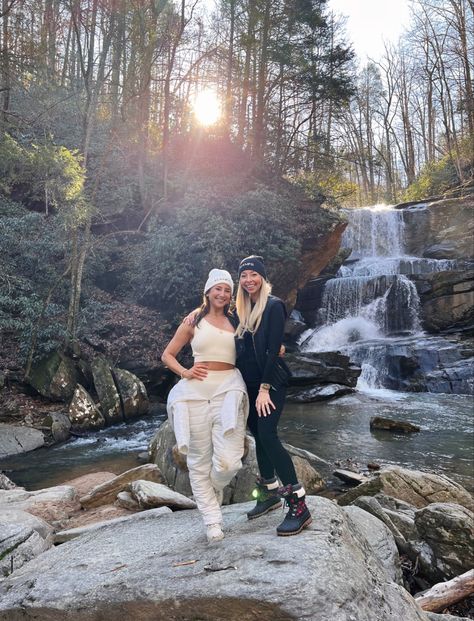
x=133, y=545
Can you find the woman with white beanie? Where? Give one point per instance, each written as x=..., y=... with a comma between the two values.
x=208, y=408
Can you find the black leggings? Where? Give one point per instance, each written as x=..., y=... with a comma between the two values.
x=271, y=455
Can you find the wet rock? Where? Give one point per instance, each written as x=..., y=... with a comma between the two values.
x=133, y=393
x=412, y=486
x=150, y=495
x=60, y=424
x=353, y=478
x=83, y=413
x=55, y=377
x=310, y=368
x=107, y=492
x=15, y=440
x=317, y=393
x=310, y=297
x=107, y=392
x=295, y=326
x=447, y=300
x=115, y=570
x=6, y=483
x=389, y=424
x=419, y=364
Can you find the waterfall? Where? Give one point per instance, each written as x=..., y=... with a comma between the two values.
x=372, y=302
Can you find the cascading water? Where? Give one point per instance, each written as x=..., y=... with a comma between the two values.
x=371, y=310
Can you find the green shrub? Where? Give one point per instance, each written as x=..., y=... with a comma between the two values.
x=434, y=179
x=169, y=268
x=31, y=260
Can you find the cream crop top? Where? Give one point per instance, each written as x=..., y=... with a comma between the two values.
x=211, y=344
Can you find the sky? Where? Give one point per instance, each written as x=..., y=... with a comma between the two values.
x=370, y=22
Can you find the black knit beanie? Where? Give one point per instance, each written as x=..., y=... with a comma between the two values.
x=254, y=263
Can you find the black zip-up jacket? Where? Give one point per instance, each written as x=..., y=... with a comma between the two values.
x=267, y=341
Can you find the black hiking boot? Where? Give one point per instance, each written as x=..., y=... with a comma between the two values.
x=298, y=516
x=267, y=499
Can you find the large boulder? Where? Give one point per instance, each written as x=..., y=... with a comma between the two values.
x=437, y=538
x=59, y=425
x=164, y=569
x=412, y=486
x=15, y=440
x=107, y=391
x=55, y=376
x=151, y=495
x=163, y=452
x=107, y=492
x=133, y=393
x=444, y=544
x=83, y=412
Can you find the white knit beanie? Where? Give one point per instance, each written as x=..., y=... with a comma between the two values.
x=218, y=276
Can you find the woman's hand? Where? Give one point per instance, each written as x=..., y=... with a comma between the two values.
x=264, y=403
x=197, y=371
x=190, y=320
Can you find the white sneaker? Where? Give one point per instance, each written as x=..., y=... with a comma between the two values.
x=214, y=532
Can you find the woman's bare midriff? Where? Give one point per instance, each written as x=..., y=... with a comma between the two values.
x=219, y=366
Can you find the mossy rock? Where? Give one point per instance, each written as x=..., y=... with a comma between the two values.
x=54, y=377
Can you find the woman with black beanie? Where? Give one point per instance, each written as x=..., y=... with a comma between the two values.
x=259, y=337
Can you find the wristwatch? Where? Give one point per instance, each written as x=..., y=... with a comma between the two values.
x=265, y=386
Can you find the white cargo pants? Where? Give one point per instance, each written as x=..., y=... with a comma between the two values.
x=213, y=460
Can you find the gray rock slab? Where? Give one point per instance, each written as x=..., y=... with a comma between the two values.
x=15, y=440
x=164, y=570
x=23, y=518
x=20, y=498
x=379, y=539
x=72, y=533
x=18, y=545
x=149, y=495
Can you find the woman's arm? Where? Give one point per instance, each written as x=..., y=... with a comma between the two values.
x=276, y=330
x=182, y=337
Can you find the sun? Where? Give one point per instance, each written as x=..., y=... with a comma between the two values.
x=207, y=107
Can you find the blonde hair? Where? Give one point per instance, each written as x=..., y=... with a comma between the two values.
x=249, y=317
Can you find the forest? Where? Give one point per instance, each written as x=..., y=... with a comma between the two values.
x=104, y=167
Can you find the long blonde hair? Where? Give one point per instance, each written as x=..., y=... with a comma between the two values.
x=249, y=317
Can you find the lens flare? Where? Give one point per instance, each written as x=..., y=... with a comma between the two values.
x=207, y=107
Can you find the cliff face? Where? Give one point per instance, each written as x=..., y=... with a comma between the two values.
x=446, y=231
